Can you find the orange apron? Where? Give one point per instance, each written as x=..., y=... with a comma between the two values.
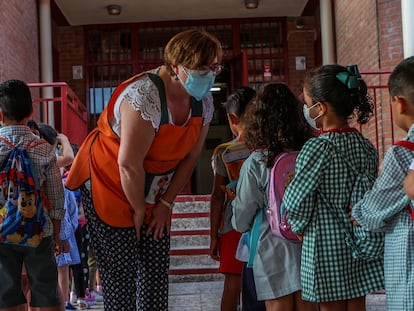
x=97, y=159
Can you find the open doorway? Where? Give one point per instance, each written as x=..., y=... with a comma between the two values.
x=233, y=76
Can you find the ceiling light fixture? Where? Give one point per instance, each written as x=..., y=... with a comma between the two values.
x=251, y=4
x=114, y=9
x=300, y=23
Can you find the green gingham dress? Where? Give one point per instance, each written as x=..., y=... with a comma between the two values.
x=323, y=181
x=385, y=206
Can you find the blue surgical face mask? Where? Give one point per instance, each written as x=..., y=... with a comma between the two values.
x=198, y=85
x=306, y=113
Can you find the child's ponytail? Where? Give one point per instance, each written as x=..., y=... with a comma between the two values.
x=358, y=92
x=343, y=88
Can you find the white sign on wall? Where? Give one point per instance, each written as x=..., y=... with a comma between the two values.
x=300, y=63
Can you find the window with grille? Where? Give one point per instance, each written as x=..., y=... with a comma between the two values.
x=113, y=55
x=266, y=51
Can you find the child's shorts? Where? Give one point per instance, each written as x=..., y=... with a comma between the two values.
x=228, y=247
x=249, y=296
x=40, y=268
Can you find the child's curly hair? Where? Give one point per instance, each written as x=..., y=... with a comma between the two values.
x=274, y=122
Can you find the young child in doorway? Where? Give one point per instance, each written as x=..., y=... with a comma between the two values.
x=386, y=206
x=273, y=124
x=223, y=238
x=318, y=198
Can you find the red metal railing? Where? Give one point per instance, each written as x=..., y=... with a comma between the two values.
x=70, y=114
x=381, y=129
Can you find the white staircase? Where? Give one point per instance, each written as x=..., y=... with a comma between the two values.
x=190, y=241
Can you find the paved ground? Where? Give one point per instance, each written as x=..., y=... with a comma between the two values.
x=205, y=296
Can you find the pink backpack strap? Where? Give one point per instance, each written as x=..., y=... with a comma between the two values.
x=272, y=197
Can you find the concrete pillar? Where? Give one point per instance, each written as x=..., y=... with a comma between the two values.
x=407, y=14
x=327, y=34
x=46, y=61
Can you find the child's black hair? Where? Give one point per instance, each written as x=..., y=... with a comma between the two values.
x=401, y=80
x=75, y=148
x=15, y=100
x=274, y=122
x=48, y=133
x=237, y=102
x=323, y=85
x=33, y=126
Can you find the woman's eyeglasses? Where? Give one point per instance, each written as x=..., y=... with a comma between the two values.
x=216, y=69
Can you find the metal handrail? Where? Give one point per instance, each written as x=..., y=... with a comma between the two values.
x=73, y=113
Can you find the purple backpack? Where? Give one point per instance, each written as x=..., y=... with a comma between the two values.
x=281, y=175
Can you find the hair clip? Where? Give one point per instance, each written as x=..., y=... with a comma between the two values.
x=350, y=78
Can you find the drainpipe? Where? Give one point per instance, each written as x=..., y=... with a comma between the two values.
x=407, y=14
x=327, y=35
x=46, y=64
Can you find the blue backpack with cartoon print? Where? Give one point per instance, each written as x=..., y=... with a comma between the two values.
x=21, y=209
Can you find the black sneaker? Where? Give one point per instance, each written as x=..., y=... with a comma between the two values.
x=69, y=306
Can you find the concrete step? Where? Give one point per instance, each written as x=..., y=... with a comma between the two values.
x=191, y=205
x=190, y=242
x=190, y=223
x=195, y=278
x=192, y=260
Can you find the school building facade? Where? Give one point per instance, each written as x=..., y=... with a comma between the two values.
x=39, y=45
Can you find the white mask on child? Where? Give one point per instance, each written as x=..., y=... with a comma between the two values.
x=306, y=113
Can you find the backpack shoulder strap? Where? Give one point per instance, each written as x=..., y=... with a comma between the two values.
x=405, y=143
x=221, y=147
x=32, y=144
x=254, y=237
x=233, y=155
x=7, y=141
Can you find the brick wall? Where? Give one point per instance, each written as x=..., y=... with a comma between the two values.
x=300, y=42
x=356, y=33
x=19, y=44
x=390, y=38
x=368, y=33
x=71, y=52
x=391, y=53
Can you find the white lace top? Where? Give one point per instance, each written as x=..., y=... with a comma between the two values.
x=143, y=95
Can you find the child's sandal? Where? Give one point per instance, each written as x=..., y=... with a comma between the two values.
x=82, y=304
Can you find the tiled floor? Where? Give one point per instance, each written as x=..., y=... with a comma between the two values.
x=205, y=296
